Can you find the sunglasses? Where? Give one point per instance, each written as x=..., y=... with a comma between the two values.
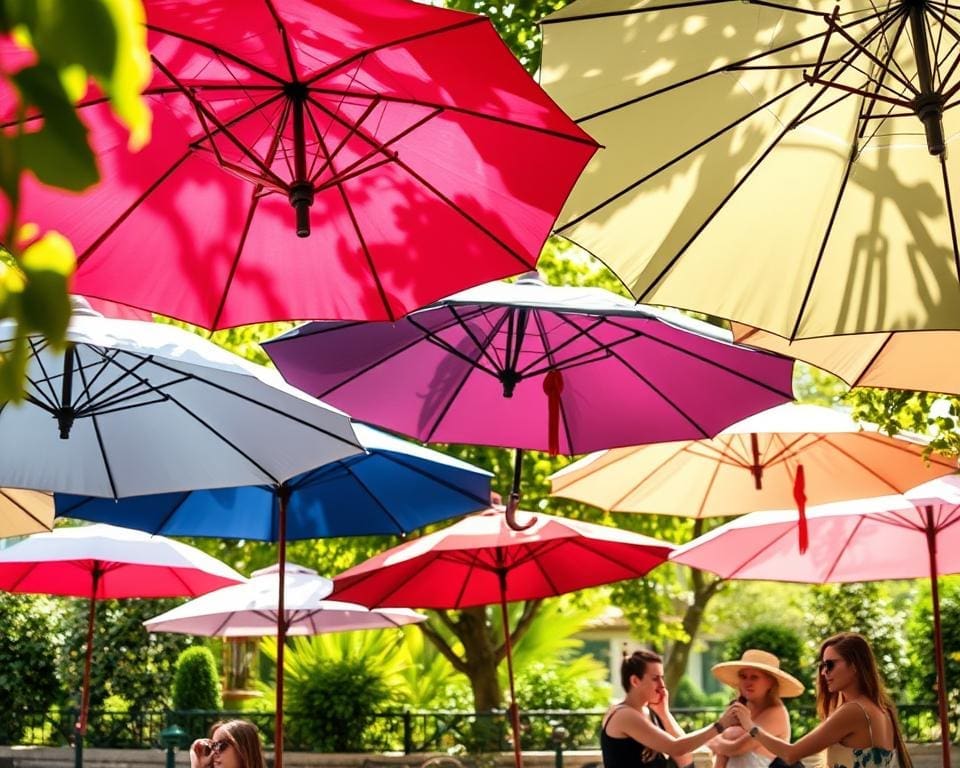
x=216, y=747
x=827, y=665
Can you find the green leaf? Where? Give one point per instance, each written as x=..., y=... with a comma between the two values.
x=58, y=153
x=47, y=264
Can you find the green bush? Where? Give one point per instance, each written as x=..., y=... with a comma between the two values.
x=688, y=694
x=29, y=643
x=559, y=686
x=332, y=709
x=923, y=676
x=196, y=682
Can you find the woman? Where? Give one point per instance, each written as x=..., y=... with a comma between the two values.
x=761, y=684
x=640, y=732
x=232, y=744
x=859, y=728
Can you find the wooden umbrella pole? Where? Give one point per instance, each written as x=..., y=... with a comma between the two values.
x=938, y=640
x=514, y=710
x=283, y=495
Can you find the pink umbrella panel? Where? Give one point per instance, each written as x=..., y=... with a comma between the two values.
x=483, y=560
x=916, y=535
x=316, y=160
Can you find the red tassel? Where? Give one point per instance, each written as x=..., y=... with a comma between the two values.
x=553, y=386
x=799, y=495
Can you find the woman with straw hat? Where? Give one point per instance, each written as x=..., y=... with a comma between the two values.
x=761, y=684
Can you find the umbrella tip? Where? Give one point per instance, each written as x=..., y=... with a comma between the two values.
x=533, y=277
x=79, y=305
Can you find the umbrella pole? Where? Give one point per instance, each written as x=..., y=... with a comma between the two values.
x=283, y=494
x=514, y=710
x=88, y=661
x=513, y=503
x=938, y=640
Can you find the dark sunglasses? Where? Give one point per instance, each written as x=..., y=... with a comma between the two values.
x=827, y=665
x=217, y=747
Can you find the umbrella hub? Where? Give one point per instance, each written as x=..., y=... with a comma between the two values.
x=65, y=415
x=509, y=378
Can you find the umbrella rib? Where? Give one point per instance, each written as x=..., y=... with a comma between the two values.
x=165, y=520
x=374, y=498
x=706, y=493
x=549, y=353
x=873, y=359
x=436, y=192
x=235, y=262
x=216, y=50
x=629, y=554
x=950, y=216
x=626, y=456
x=82, y=257
x=285, y=41
x=400, y=460
x=840, y=550
x=431, y=337
x=22, y=507
x=100, y=442
x=869, y=469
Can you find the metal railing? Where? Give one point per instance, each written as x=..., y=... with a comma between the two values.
x=409, y=731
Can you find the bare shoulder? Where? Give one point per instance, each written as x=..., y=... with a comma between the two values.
x=620, y=719
x=775, y=719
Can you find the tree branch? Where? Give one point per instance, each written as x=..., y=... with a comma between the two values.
x=530, y=610
x=441, y=644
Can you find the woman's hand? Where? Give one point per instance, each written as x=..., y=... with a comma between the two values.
x=201, y=754
x=662, y=705
x=742, y=714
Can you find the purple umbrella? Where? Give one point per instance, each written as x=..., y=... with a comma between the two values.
x=539, y=367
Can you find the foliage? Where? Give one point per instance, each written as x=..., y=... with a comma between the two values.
x=874, y=609
x=567, y=684
x=517, y=23
x=926, y=413
x=127, y=661
x=334, y=686
x=49, y=76
x=196, y=683
x=29, y=640
x=688, y=694
x=923, y=679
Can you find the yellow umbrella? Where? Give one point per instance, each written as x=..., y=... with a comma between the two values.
x=23, y=512
x=752, y=465
x=771, y=163
x=896, y=360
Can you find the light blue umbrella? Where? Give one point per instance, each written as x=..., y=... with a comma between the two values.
x=393, y=488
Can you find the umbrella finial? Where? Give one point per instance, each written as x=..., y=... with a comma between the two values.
x=301, y=198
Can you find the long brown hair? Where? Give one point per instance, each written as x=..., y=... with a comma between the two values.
x=245, y=737
x=855, y=650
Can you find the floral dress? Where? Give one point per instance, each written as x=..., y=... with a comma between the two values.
x=839, y=756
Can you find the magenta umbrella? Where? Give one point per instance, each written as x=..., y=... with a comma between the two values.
x=103, y=562
x=482, y=560
x=532, y=366
x=317, y=159
x=912, y=536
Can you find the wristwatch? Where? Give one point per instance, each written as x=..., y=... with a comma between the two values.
x=753, y=731
x=717, y=725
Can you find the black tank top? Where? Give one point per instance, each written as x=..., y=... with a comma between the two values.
x=626, y=752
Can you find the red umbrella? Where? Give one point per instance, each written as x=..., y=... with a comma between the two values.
x=482, y=560
x=102, y=562
x=317, y=159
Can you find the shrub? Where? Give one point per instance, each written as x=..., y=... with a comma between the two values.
x=196, y=682
x=689, y=694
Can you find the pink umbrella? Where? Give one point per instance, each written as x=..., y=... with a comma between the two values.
x=316, y=159
x=889, y=537
x=535, y=366
x=101, y=562
x=482, y=560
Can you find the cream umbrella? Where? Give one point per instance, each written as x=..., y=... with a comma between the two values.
x=784, y=165
x=897, y=360
x=24, y=511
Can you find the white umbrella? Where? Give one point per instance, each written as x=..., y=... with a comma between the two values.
x=250, y=609
x=132, y=408
x=102, y=562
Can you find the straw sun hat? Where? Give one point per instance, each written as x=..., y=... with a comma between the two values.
x=726, y=672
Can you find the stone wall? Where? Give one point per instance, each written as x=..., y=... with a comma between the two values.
x=924, y=756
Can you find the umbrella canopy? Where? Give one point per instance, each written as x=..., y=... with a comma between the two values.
x=134, y=407
x=23, y=512
x=101, y=562
x=394, y=487
x=250, y=609
x=482, y=560
x=890, y=537
x=898, y=360
x=808, y=192
x=753, y=465
x=317, y=160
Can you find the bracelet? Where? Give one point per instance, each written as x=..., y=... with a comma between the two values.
x=717, y=725
x=754, y=731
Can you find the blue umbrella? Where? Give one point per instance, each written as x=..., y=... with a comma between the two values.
x=393, y=488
